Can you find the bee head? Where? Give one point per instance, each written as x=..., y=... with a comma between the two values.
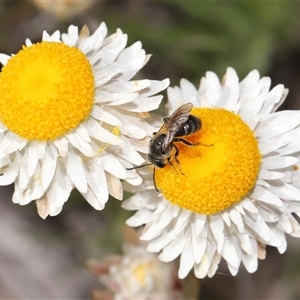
x=156, y=161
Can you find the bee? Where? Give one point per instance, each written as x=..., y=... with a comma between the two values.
x=181, y=123
x=162, y=147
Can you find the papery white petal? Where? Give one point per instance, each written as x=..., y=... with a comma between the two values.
x=74, y=167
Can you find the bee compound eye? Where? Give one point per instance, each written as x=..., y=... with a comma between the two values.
x=156, y=161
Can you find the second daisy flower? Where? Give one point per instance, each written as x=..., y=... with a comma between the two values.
x=232, y=198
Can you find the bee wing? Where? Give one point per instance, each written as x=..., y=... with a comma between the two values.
x=181, y=112
x=173, y=123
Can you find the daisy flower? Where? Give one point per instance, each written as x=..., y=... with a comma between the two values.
x=137, y=274
x=71, y=117
x=235, y=192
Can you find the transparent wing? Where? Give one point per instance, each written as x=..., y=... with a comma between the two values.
x=173, y=123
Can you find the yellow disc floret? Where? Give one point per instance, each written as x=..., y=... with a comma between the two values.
x=47, y=89
x=218, y=171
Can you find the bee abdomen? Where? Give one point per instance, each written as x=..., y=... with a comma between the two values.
x=192, y=125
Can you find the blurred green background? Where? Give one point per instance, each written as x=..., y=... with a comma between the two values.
x=42, y=259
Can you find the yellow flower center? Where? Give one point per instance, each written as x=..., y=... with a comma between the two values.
x=216, y=173
x=46, y=90
x=142, y=270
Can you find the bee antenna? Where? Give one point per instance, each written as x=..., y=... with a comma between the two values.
x=137, y=167
x=155, y=181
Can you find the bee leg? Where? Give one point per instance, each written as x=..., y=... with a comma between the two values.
x=184, y=141
x=176, y=158
x=181, y=140
x=176, y=154
x=170, y=163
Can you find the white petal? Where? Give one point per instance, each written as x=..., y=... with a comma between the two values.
x=186, y=261
x=233, y=269
x=249, y=206
x=278, y=123
x=55, y=37
x=111, y=164
x=248, y=83
x=97, y=193
x=114, y=186
x=173, y=250
x=269, y=213
x=250, y=260
x=236, y=218
x=78, y=142
x=188, y=92
x=202, y=268
x=4, y=58
x=176, y=99
x=23, y=177
x=41, y=148
x=62, y=146
x=183, y=220
x=46, y=36
x=231, y=252
x=54, y=210
x=32, y=158
x=28, y=43
x=160, y=242
x=229, y=96
x=96, y=39
x=83, y=133
x=259, y=226
x=239, y=208
x=266, y=147
x=60, y=188
x=217, y=228
x=214, y=265
x=272, y=98
x=140, y=200
x=159, y=224
x=6, y=143
x=270, y=175
x=264, y=195
x=72, y=37
x=279, y=239
x=285, y=191
x=141, y=217
x=286, y=224
x=98, y=132
x=199, y=244
x=73, y=164
x=245, y=241
x=104, y=116
x=110, y=52
x=43, y=207
x=295, y=227
x=49, y=165
x=155, y=87
x=8, y=176
x=93, y=199
x=225, y=217
x=12, y=143
x=149, y=103
x=200, y=222
x=278, y=162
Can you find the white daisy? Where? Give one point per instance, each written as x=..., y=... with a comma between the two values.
x=70, y=116
x=137, y=274
x=234, y=197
